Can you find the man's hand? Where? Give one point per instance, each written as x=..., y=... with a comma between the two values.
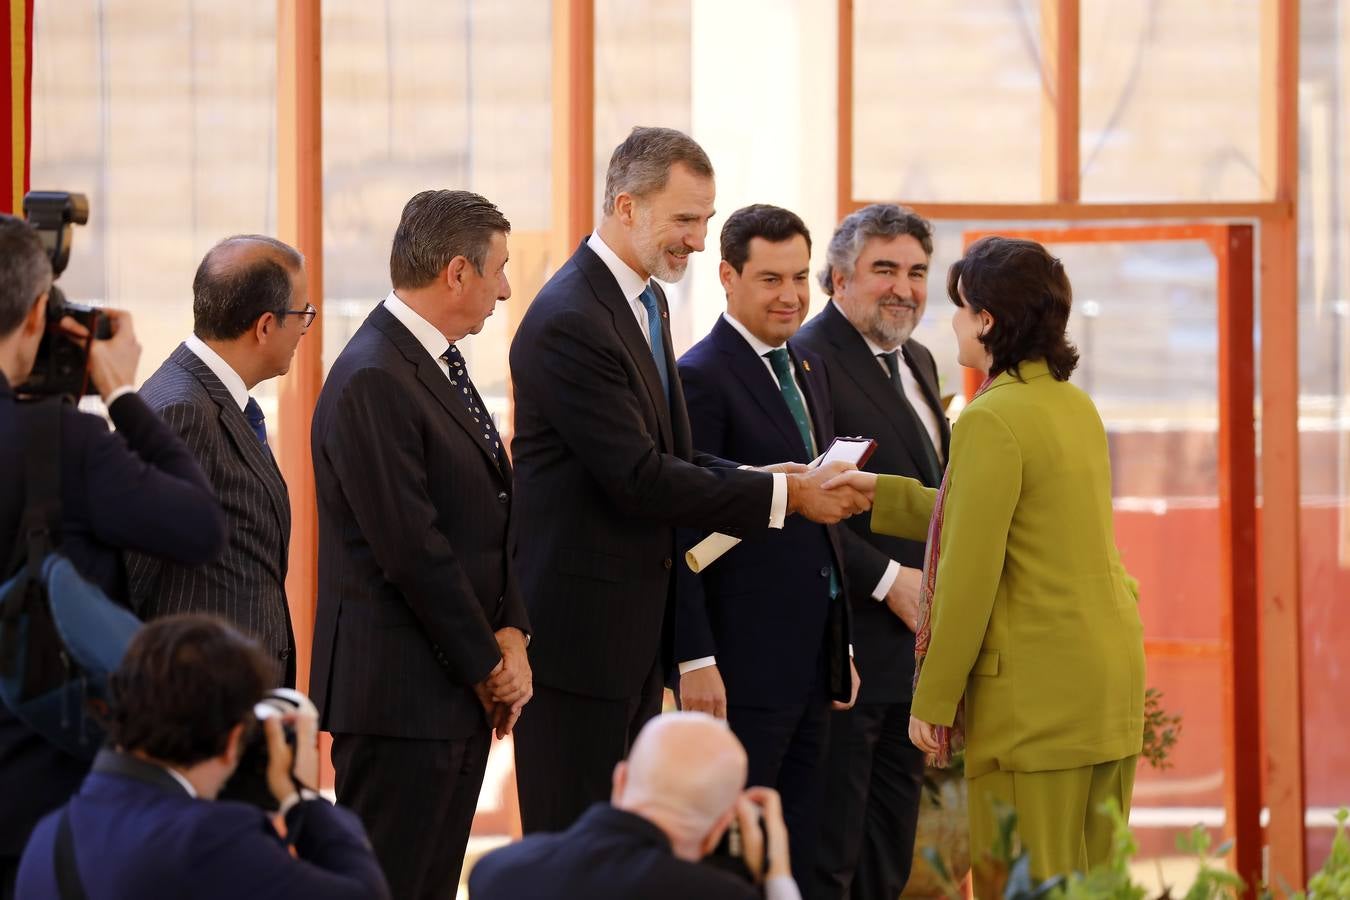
x=112, y=362
x=903, y=597
x=923, y=735
x=808, y=495
x=756, y=804
x=702, y=690
x=853, y=694
x=511, y=682
x=786, y=468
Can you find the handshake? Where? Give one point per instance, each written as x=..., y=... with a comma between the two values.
x=509, y=686
x=818, y=494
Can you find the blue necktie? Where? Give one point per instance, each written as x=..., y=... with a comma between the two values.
x=657, y=333
x=253, y=412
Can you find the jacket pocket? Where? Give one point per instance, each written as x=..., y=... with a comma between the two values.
x=986, y=663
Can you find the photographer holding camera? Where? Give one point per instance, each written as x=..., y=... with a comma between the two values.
x=674, y=800
x=138, y=489
x=146, y=822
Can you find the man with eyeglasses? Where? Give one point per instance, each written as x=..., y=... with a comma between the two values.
x=249, y=310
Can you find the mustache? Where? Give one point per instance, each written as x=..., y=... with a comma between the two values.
x=896, y=301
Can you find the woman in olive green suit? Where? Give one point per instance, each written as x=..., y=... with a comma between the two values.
x=1035, y=631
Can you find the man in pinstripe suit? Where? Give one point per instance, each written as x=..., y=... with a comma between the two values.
x=249, y=312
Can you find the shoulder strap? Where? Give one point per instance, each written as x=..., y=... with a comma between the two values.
x=68, y=881
x=42, y=487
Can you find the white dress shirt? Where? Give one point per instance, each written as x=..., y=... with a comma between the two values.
x=221, y=369
x=632, y=285
x=915, y=395
x=426, y=334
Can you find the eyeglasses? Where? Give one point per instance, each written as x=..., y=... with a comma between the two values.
x=309, y=312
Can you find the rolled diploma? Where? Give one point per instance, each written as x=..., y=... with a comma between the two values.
x=707, y=551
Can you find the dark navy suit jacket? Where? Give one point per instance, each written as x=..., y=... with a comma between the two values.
x=137, y=833
x=764, y=609
x=608, y=854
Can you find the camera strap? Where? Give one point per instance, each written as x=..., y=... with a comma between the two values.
x=68, y=881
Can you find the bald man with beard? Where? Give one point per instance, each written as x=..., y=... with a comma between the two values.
x=673, y=799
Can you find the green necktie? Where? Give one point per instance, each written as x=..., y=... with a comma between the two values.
x=782, y=368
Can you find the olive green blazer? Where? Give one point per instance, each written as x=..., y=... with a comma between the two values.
x=1035, y=621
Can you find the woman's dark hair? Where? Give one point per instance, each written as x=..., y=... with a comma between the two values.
x=1027, y=292
x=186, y=681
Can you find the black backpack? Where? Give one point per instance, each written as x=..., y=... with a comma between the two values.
x=60, y=636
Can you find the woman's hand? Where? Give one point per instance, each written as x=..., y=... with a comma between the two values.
x=863, y=482
x=923, y=735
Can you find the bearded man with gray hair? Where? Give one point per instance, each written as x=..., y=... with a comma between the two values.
x=883, y=384
x=605, y=471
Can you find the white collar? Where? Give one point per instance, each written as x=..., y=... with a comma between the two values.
x=631, y=283
x=182, y=779
x=760, y=348
x=221, y=369
x=428, y=335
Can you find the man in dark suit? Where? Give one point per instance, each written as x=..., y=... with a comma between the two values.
x=249, y=312
x=419, y=642
x=884, y=385
x=146, y=822
x=670, y=804
x=137, y=489
x=606, y=470
x=761, y=637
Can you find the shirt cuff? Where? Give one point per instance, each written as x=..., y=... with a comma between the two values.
x=113, y=397
x=695, y=664
x=850, y=651
x=887, y=579
x=782, y=887
x=778, y=506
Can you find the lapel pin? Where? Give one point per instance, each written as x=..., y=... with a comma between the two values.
x=806, y=365
x=664, y=314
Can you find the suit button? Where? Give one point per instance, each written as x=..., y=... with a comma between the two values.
x=666, y=562
x=824, y=571
x=503, y=496
x=283, y=654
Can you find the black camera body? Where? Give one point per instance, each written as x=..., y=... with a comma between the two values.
x=249, y=781
x=62, y=363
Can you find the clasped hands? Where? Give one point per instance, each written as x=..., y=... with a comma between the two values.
x=509, y=686
x=819, y=493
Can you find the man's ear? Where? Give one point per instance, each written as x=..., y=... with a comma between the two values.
x=625, y=208
x=715, y=833
x=620, y=779
x=727, y=273
x=233, y=746
x=456, y=272
x=36, y=320
x=264, y=326
x=837, y=281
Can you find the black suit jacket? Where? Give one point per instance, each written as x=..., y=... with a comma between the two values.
x=247, y=585
x=137, y=833
x=605, y=471
x=866, y=405
x=608, y=854
x=138, y=489
x=764, y=608
x=413, y=572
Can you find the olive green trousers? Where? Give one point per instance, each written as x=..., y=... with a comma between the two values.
x=1058, y=814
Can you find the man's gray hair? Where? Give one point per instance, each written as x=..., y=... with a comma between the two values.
x=25, y=271
x=437, y=226
x=883, y=220
x=641, y=164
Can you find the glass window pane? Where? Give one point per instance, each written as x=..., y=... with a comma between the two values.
x=163, y=113
x=424, y=96
x=1170, y=101
x=947, y=100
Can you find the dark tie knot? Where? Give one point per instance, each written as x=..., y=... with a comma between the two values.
x=890, y=361
x=648, y=299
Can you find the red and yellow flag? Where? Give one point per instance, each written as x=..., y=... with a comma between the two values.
x=16, y=101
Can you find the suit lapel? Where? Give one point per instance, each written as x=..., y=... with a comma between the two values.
x=817, y=400
x=858, y=363
x=432, y=377
x=749, y=368
x=606, y=290
x=232, y=420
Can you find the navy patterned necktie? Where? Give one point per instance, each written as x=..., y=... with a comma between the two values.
x=468, y=395
x=657, y=333
x=253, y=412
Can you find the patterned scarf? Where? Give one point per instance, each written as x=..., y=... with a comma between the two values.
x=950, y=740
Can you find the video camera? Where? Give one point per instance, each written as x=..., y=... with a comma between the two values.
x=62, y=364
